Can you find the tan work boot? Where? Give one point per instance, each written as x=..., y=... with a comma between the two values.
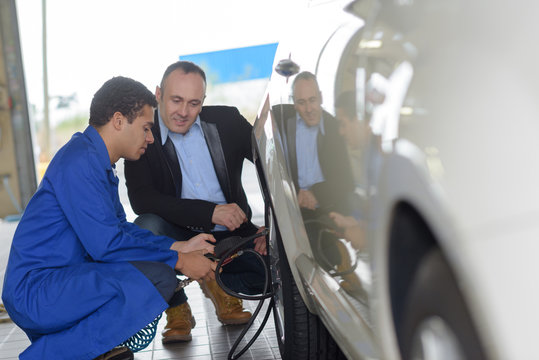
x=350, y=281
x=229, y=309
x=180, y=321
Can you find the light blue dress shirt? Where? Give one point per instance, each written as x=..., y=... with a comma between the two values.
x=199, y=179
x=309, y=171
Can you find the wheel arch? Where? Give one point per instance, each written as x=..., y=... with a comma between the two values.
x=410, y=239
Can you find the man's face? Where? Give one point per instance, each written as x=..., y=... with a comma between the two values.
x=181, y=100
x=308, y=101
x=138, y=134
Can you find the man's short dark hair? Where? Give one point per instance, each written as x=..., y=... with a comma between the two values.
x=186, y=66
x=121, y=94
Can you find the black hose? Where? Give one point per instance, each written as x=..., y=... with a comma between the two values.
x=223, y=255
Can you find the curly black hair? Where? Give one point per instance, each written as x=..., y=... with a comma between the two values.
x=121, y=94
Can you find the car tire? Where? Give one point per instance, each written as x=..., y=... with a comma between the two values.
x=303, y=335
x=437, y=324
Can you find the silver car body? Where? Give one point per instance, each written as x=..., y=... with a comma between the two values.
x=456, y=139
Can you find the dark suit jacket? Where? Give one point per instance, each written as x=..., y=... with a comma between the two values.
x=333, y=157
x=154, y=181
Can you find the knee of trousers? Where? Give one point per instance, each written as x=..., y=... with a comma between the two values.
x=162, y=276
x=152, y=222
x=169, y=282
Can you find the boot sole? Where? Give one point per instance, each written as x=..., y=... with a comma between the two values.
x=176, y=339
x=233, y=321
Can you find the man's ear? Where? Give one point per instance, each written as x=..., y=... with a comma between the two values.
x=118, y=120
x=321, y=98
x=157, y=93
x=204, y=98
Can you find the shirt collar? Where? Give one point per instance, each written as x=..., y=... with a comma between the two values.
x=320, y=125
x=163, y=129
x=101, y=148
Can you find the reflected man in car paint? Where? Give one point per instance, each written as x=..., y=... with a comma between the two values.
x=319, y=167
x=318, y=158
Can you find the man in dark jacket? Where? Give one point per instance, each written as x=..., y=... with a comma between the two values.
x=319, y=167
x=316, y=152
x=189, y=181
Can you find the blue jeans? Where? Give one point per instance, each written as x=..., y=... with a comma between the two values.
x=245, y=274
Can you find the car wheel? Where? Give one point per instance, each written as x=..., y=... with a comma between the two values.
x=300, y=334
x=437, y=324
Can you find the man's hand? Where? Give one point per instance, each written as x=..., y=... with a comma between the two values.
x=198, y=242
x=343, y=221
x=195, y=265
x=229, y=215
x=306, y=199
x=353, y=231
x=260, y=243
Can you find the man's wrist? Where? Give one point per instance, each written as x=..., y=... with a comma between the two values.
x=179, y=263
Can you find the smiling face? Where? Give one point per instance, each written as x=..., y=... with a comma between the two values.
x=181, y=100
x=137, y=135
x=308, y=101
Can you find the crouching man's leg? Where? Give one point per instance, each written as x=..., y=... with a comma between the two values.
x=180, y=320
x=84, y=311
x=244, y=274
x=229, y=309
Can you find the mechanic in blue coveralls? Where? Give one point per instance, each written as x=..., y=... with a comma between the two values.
x=81, y=279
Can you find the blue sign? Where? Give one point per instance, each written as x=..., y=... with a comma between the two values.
x=247, y=63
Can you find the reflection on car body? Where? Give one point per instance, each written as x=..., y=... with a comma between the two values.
x=413, y=239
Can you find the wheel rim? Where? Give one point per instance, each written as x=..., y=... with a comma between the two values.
x=276, y=279
x=434, y=339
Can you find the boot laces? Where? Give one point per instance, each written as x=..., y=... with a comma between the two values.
x=233, y=304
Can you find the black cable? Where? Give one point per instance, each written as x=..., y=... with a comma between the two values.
x=267, y=293
x=267, y=280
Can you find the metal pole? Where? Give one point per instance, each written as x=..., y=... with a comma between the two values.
x=45, y=153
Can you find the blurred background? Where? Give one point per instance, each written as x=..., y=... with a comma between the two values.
x=57, y=53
